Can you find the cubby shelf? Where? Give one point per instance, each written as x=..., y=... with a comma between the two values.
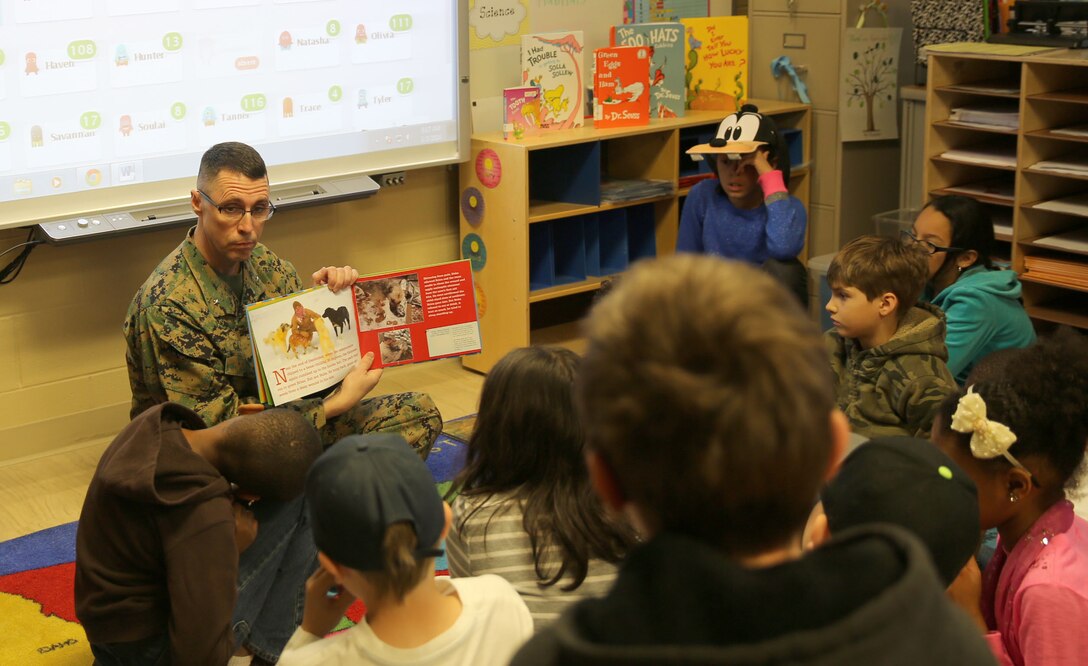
x=1049, y=134
x=542, y=211
x=1079, y=96
x=547, y=241
x=956, y=125
x=1053, y=94
x=985, y=89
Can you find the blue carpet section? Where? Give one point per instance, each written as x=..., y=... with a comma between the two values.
x=446, y=458
x=56, y=545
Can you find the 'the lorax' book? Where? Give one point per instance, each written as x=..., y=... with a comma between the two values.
x=717, y=62
x=666, y=44
x=621, y=86
x=554, y=63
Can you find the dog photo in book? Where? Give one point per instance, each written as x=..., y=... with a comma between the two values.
x=396, y=346
x=388, y=302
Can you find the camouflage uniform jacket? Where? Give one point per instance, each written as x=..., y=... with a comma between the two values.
x=894, y=388
x=188, y=339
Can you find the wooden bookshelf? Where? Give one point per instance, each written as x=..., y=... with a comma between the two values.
x=1052, y=94
x=550, y=242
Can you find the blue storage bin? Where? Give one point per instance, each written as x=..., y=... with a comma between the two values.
x=606, y=243
x=570, y=174
x=641, y=241
x=568, y=237
x=794, y=146
x=541, y=256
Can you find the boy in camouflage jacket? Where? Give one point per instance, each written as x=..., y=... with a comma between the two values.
x=887, y=349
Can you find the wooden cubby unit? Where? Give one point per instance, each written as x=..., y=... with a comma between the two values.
x=1052, y=94
x=547, y=241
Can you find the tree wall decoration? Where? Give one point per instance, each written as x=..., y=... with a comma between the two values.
x=871, y=80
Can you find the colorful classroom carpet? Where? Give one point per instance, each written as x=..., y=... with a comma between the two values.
x=37, y=574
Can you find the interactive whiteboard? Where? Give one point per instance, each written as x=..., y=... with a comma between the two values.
x=107, y=105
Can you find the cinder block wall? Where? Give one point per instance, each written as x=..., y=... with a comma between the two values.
x=62, y=358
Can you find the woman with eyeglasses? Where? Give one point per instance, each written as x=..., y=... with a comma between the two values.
x=981, y=301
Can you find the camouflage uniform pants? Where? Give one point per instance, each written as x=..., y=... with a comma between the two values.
x=413, y=416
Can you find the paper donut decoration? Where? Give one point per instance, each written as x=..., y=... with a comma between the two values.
x=488, y=168
x=473, y=249
x=481, y=301
x=472, y=206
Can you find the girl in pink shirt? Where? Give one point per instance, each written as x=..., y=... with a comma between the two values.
x=1020, y=432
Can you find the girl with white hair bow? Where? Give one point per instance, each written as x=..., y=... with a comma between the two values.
x=1020, y=432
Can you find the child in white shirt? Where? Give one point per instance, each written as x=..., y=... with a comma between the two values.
x=377, y=520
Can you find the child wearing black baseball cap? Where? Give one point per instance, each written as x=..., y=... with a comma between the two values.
x=907, y=482
x=377, y=521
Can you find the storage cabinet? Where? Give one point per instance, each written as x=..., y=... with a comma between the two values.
x=854, y=181
x=1006, y=168
x=540, y=221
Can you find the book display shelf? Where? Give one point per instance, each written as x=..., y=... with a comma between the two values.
x=548, y=219
x=1028, y=169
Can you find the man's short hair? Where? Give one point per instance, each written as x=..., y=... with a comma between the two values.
x=230, y=156
x=876, y=265
x=709, y=393
x=269, y=453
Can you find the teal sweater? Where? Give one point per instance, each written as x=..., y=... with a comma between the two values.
x=984, y=315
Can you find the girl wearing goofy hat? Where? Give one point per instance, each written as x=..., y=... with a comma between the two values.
x=747, y=213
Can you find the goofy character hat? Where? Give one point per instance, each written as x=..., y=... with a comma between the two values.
x=741, y=134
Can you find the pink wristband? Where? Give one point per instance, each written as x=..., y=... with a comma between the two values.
x=772, y=183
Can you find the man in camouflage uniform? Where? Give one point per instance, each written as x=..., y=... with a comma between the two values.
x=887, y=349
x=186, y=330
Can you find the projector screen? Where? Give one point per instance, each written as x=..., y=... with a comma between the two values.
x=107, y=105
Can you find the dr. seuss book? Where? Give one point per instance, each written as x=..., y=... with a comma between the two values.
x=308, y=341
x=520, y=112
x=717, y=62
x=554, y=63
x=666, y=44
x=621, y=86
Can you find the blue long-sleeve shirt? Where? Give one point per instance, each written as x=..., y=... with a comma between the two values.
x=711, y=224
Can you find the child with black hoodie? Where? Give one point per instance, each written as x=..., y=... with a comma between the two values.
x=711, y=424
x=165, y=519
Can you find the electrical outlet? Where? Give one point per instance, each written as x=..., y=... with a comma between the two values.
x=391, y=179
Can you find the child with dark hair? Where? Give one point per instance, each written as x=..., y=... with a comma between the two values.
x=747, y=212
x=526, y=510
x=1021, y=435
x=378, y=522
x=711, y=426
x=981, y=301
x=887, y=349
x=159, y=578
x=907, y=482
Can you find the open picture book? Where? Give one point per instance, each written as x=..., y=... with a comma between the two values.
x=306, y=342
